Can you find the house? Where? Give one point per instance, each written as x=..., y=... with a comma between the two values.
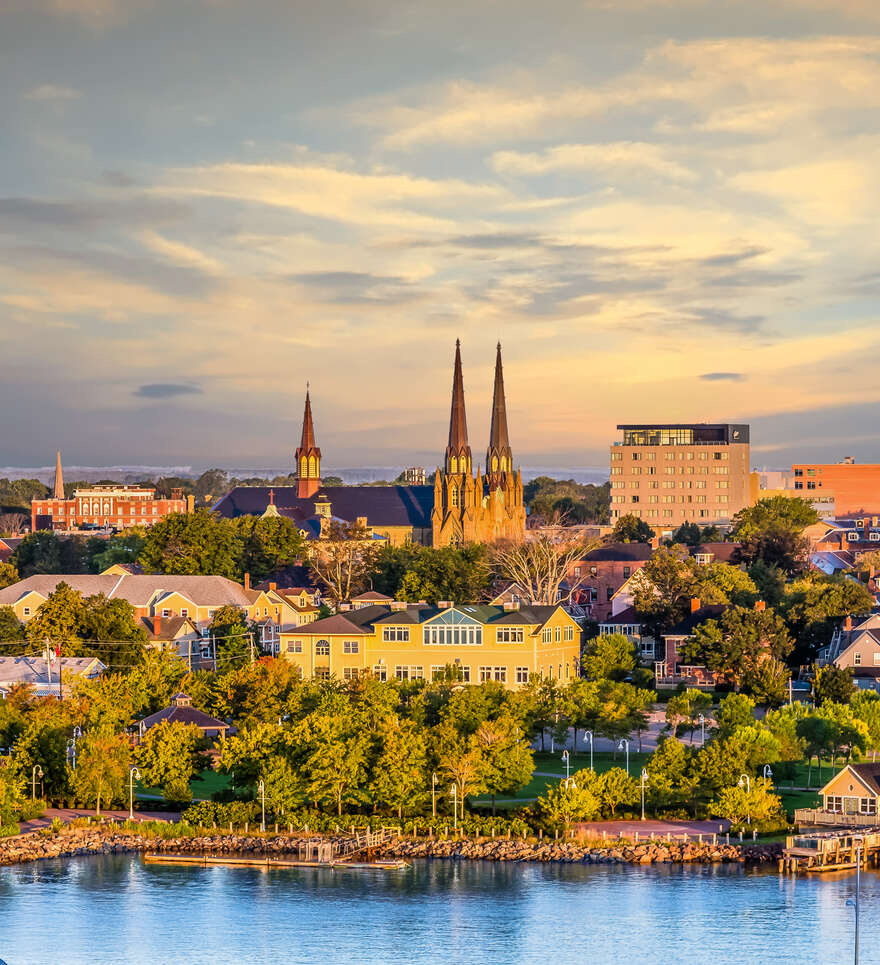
x=370, y=598
x=669, y=670
x=403, y=641
x=856, y=647
x=602, y=572
x=706, y=553
x=181, y=711
x=628, y=623
x=8, y=545
x=43, y=676
x=849, y=799
x=175, y=633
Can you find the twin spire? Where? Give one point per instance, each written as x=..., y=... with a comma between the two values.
x=499, y=457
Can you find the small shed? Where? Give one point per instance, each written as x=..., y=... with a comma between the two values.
x=181, y=711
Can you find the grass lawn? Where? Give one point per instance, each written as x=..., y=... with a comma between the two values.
x=203, y=785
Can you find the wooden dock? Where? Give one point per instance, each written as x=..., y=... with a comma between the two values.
x=824, y=852
x=258, y=861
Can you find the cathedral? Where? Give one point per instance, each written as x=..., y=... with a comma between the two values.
x=460, y=508
x=472, y=508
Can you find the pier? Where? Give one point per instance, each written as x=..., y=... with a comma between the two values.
x=829, y=851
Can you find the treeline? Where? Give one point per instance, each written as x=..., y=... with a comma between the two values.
x=567, y=502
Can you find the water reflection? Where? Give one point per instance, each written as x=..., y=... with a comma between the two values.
x=96, y=911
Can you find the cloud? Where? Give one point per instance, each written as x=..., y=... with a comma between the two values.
x=52, y=92
x=357, y=287
x=89, y=213
x=722, y=377
x=165, y=390
x=614, y=157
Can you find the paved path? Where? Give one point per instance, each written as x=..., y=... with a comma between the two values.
x=646, y=828
x=68, y=814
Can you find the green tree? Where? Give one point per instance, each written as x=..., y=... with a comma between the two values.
x=333, y=749
x=124, y=547
x=284, y=786
x=194, y=544
x=611, y=656
x=233, y=638
x=506, y=757
x=46, y=552
x=768, y=682
x=564, y=802
x=734, y=711
x=769, y=581
x=631, y=529
x=832, y=684
x=11, y=629
x=104, y=621
x=754, y=802
x=688, y=534
x=684, y=710
x=268, y=544
x=8, y=575
x=615, y=788
x=723, y=583
x=770, y=530
x=664, y=588
x=398, y=776
x=815, y=732
x=101, y=774
x=865, y=705
x=667, y=785
x=59, y=619
x=168, y=757
x=248, y=752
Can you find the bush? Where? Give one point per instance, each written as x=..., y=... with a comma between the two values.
x=31, y=809
x=9, y=830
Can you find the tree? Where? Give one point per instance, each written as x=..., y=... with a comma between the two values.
x=46, y=552
x=268, y=544
x=168, y=757
x=753, y=801
x=447, y=573
x=688, y=534
x=107, y=622
x=771, y=530
x=768, y=682
x=667, y=784
x=342, y=559
x=540, y=567
x=610, y=656
x=101, y=773
x=664, y=588
x=685, y=709
x=8, y=575
x=11, y=628
x=194, y=544
x=333, y=756
x=399, y=772
x=815, y=732
x=865, y=706
x=631, y=529
x=58, y=619
x=832, y=684
x=124, y=547
x=815, y=604
x=738, y=643
x=769, y=581
x=615, y=788
x=507, y=758
x=734, y=711
x=847, y=734
x=723, y=583
x=233, y=638
x=564, y=802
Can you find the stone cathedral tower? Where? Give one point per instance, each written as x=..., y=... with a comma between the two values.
x=469, y=508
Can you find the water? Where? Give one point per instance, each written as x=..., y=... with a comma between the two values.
x=98, y=911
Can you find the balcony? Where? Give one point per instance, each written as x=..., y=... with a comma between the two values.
x=813, y=817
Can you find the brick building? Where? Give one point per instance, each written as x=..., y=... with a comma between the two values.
x=672, y=474
x=854, y=488
x=602, y=572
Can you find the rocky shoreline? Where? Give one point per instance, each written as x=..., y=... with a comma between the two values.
x=71, y=842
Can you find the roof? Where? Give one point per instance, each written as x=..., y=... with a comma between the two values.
x=139, y=590
x=869, y=774
x=619, y=552
x=381, y=505
x=372, y=595
x=339, y=623
x=169, y=627
x=361, y=620
x=32, y=670
x=693, y=620
x=723, y=552
x=176, y=714
x=626, y=616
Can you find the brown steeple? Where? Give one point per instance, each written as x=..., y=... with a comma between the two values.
x=499, y=458
x=458, y=452
x=308, y=456
x=58, y=492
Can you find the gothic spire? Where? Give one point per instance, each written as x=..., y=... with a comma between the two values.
x=58, y=492
x=458, y=452
x=308, y=432
x=308, y=456
x=499, y=458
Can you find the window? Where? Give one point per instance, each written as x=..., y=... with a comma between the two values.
x=485, y=674
x=394, y=634
x=166, y=613
x=322, y=673
x=509, y=635
x=446, y=635
x=501, y=675
x=350, y=673
x=569, y=633
x=522, y=675
x=617, y=470
x=546, y=635
x=438, y=672
x=380, y=672
x=877, y=659
x=857, y=659
x=294, y=646
x=26, y=611
x=402, y=673
x=609, y=592
x=616, y=456
x=184, y=613
x=465, y=674
x=350, y=646
x=868, y=805
x=594, y=571
x=409, y=673
x=626, y=572
x=322, y=648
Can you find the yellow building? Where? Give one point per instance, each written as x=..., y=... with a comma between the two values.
x=405, y=642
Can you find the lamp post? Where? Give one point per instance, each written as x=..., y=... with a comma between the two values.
x=261, y=787
x=624, y=744
x=37, y=772
x=589, y=733
x=455, y=806
x=644, y=778
x=565, y=757
x=746, y=782
x=133, y=773
x=702, y=730
x=433, y=794
x=768, y=772
x=857, y=840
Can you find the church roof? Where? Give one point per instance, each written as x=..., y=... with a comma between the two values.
x=308, y=432
x=382, y=505
x=498, y=438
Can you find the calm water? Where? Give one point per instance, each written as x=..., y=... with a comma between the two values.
x=97, y=911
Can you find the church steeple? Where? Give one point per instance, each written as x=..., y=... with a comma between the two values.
x=308, y=456
x=499, y=458
x=58, y=492
x=458, y=452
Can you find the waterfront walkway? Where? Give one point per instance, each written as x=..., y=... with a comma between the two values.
x=68, y=814
x=626, y=829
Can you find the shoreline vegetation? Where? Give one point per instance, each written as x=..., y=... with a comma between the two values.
x=80, y=839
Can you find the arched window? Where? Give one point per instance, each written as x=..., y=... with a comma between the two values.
x=453, y=496
x=313, y=467
x=495, y=464
x=453, y=464
x=322, y=648
x=304, y=467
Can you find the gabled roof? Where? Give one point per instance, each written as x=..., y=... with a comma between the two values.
x=627, y=616
x=693, y=620
x=381, y=505
x=868, y=774
x=619, y=553
x=372, y=595
x=339, y=623
x=183, y=715
x=32, y=670
x=169, y=627
x=722, y=552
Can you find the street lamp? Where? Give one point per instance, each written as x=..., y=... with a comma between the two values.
x=624, y=743
x=71, y=745
x=433, y=794
x=857, y=840
x=37, y=772
x=589, y=733
x=133, y=773
x=746, y=782
x=455, y=806
x=261, y=787
x=644, y=778
x=565, y=757
x=768, y=773
x=702, y=730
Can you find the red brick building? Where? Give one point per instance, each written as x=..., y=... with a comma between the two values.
x=602, y=572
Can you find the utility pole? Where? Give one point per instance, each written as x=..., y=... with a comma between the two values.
x=189, y=654
x=214, y=651
x=251, y=638
x=60, y=692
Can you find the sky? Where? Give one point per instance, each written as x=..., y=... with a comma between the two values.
x=666, y=210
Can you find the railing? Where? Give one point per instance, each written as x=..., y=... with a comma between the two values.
x=833, y=819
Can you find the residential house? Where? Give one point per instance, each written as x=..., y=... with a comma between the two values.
x=670, y=670
x=849, y=799
x=36, y=672
x=602, y=572
x=856, y=647
x=628, y=623
x=413, y=642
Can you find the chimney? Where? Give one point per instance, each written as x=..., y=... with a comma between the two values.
x=157, y=624
x=398, y=604
x=512, y=605
x=247, y=581
x=695, y=604
x=445, y=604
x=273, y=587
x=760, y=606
x=847, y=624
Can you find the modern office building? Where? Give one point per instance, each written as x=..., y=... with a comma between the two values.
x=852, y=487
x=669, y=474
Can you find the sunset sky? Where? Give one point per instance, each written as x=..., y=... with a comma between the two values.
x=665, y=209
